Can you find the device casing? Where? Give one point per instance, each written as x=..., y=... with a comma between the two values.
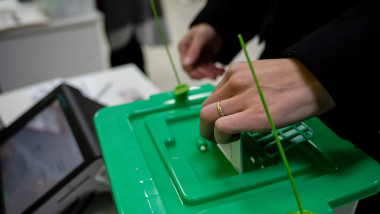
x=89, y=176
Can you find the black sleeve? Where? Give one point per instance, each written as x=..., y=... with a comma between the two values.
x=344, y=56
x=231, y=17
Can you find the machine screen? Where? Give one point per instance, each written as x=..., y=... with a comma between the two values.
x=37, y=157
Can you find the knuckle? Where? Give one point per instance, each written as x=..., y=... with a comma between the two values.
x=234, y=83
x=221, y=127
x=235, y=67
x=204, y=115
x=235, y=77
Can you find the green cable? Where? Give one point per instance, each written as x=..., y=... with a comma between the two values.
x=164, y=40
x=282, y=153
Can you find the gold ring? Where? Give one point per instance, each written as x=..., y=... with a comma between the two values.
x=220, y=109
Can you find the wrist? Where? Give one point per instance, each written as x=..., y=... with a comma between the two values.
x=321, y=97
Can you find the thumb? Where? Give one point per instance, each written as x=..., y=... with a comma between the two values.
x=193, y=52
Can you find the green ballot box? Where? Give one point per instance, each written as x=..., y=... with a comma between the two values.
x=158, y=163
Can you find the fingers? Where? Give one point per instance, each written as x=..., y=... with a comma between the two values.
x=183, y=48
x=228, y=126
x=216, y=128
x=193, y=51
x=236, y=120
x=291, y=94
x=197, y=51
x=190, y=48
x=241, y=107
x=189, y=51
x=207, y=70
x=223, y=90
x=222, y=93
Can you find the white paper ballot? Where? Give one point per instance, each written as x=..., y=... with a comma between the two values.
x=232, y=151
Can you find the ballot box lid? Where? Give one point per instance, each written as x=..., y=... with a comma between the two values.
x=157, y=162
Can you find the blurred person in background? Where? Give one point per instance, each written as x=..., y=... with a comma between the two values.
x=129, y=25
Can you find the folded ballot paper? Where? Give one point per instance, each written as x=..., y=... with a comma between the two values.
x=233, y=153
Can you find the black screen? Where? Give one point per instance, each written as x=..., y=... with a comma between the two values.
x=37, y=157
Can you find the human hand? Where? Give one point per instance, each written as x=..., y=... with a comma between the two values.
x=198, y=49
x=291, y=91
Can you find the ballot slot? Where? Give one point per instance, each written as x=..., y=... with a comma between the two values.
x=260, y=149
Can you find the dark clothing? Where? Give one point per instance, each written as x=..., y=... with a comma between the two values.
x=129, y=24
x=338, y=40
x=343, y=56
x=120, y=13
x=130, y=53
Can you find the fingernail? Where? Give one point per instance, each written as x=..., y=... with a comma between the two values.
x=187, y=61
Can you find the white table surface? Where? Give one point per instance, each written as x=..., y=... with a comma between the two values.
x=115, y=86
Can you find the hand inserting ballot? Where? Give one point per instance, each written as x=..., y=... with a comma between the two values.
x=291, y=91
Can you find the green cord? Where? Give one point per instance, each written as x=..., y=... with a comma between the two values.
x=284, y=160
x=164, y=40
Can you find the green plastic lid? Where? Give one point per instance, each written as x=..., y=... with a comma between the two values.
x=158, y=163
